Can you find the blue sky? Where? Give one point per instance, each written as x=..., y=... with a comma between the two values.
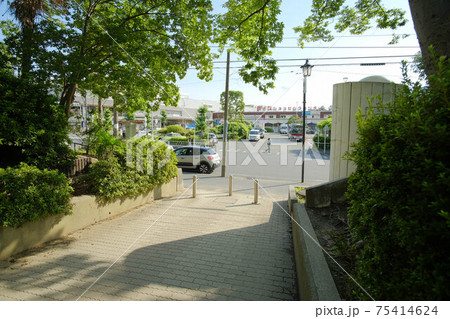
x=288, y=85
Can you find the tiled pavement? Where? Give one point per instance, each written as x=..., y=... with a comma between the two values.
x=213, y=247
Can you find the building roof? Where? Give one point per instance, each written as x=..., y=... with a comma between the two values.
x=375, y=78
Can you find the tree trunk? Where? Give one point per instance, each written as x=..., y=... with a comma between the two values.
x=67, y=97
x=432, y=24
x=27, y=51
x=116, y=122
x=100, y=110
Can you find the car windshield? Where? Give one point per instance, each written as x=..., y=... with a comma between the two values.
x=254, y=132
x=296, y=131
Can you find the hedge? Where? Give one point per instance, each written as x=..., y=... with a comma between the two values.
x=399, y=194
x=175, y=129
x=28, y=194
x=117, y=178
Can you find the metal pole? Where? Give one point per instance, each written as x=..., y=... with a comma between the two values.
x=255, y=201
x=225, y=118
x=194, y=186
x=304, y=124
x=230, y=185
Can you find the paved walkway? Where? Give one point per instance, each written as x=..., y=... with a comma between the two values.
x=213, y=247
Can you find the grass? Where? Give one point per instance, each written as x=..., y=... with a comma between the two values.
x=301, y=198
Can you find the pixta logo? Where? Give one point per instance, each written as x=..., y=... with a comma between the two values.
x=141, y=156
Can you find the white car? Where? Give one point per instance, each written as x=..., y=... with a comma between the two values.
x=254, y=135
x=204, y=159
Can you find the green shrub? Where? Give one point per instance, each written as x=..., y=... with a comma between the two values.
x=33, y=128
x=28, y=194
x=105, y=145
x=399, y=194
x=116, y=178
x=269, y=130
x=175, y=129
x=162, y=131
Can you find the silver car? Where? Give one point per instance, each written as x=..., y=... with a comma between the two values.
x=254, y=135
x=203, y=159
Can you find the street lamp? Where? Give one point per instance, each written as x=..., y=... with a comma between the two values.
x=306, y=68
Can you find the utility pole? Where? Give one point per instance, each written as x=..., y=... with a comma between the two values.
x=225, y=118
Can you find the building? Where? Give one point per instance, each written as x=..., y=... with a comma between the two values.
x=263, y=118
x=184, y=114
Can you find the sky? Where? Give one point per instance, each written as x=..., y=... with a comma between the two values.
x=289, y=82
x=288, y=91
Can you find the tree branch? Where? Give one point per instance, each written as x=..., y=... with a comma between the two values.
x=253, y=13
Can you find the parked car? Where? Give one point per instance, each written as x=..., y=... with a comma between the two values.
x=261, y=133
x=284, y=128
x=203, y=159
x=254, y=135
x=173, y=135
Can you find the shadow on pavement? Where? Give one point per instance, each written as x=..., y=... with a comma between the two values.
x=250, y=263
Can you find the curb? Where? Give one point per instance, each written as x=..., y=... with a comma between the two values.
x=314, y=279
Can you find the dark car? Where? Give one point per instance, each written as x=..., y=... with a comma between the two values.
x=203, y=159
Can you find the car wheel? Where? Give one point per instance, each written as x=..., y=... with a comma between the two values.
x=204, y=168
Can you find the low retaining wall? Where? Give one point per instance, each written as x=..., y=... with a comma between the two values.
x=323, y=195
x=86, y=211
x=314, y=278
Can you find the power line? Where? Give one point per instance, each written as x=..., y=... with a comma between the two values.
x=359, y=35
x=333, y=58
x=351, y=47
x=319, y=65
x=345, y=47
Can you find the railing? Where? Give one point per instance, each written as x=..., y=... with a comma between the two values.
x=177, y=144
x=80, y=164
x=322, y=139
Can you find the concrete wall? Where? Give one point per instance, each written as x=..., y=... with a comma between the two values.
x=86, y=211
x=348, y=98
x=323, y=195
x=314, y=278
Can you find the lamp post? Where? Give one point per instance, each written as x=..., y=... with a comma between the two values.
x=306, y=68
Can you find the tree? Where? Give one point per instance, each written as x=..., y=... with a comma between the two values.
x=430, y=19
x=251, y=28
x=236, y=103
x=26, y=11
x=200, y=120
x=142, y=47
x=163, y=118
x=324, y=123
x=33, y=129
x=294, y=119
